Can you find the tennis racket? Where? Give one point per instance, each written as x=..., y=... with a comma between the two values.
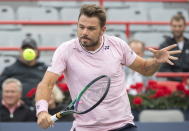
x=89, y=98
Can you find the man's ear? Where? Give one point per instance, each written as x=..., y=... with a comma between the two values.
x=103, y=29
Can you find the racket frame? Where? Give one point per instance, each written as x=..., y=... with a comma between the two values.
x=71, y=108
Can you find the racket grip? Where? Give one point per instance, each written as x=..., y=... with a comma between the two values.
x=54, y=118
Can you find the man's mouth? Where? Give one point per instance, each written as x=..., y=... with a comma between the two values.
x=85, y=38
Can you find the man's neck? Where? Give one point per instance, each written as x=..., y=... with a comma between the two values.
x=95, y=47
x=11, y=107
x=29, y=63
x=179, y=39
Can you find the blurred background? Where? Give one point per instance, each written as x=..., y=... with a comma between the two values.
x=158, y=102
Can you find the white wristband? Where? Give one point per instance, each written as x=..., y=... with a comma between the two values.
x=41, y=105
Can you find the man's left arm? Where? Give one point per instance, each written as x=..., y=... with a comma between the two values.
x=148, y=67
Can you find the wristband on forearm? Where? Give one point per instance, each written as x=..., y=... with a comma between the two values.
x=41, y=105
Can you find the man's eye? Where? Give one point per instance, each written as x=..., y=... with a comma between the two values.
x=81, y=27
x=91, y=28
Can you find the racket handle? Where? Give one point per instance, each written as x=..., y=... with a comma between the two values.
x=54, y=118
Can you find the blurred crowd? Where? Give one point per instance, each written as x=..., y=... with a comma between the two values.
x=18, y=81
x=18, y=84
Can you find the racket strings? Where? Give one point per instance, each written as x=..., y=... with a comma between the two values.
x=92, y=95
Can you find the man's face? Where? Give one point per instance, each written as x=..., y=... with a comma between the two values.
x=178, y=28
x=89, y=32
x=11, y=94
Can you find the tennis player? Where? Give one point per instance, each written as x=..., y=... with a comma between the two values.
x=90, y=55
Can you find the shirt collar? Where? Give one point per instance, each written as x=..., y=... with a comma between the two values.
x=80, y=48
x=12, y=109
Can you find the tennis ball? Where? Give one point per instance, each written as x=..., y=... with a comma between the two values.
x=29, y=54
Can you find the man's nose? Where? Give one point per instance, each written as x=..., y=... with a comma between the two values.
x=85, y=31
x=177, y=28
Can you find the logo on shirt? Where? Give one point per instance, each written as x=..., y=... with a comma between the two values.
x=106, y=47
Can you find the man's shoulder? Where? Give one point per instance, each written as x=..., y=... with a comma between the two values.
x=13, y=66
x=113, y=40
x=168, y=41
x=42, y=65
x=186, y=40
x=68, y=44
x=1, y=105
x=111, y=37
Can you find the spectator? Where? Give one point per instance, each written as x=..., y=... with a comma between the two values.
x=56, y=103
x=134, y=77
x=28, y=72
x=61, y=83
x=178, y=26
x=12, y=108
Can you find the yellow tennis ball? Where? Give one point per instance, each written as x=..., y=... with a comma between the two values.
x=29, y=54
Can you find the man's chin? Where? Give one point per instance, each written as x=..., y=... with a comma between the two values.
x=177, y=36
x=85, y=44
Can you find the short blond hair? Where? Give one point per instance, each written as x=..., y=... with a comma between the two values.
x=12, y=80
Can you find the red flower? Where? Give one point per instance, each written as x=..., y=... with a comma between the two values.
x=137, y=100
x=61, y=78
x=152, y=84
x=138, y=87
x=181, y=87
x=133, y=86
x=186, y=92
x=161, y=91
x=31, y=93
x=63, y=87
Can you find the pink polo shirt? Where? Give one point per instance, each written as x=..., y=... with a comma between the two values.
x=80, y=67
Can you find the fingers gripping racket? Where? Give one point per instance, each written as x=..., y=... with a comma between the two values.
x=89, y=98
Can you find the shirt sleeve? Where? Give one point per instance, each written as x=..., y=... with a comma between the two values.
x=58, y=61
x=128, y=54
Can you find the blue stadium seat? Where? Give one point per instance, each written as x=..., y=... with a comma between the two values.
x=151, y=39
x=53, y=39
x=7, y=13
x=5, y=61
x=131, y=15
x=164, y=15
x=59, y=4
x=144, y=5
x=69, y=14
x=119, y=34
x=37, y=13
x=114, y=4
x=13, y=38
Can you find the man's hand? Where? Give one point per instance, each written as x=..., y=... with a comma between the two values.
x=165, y=55
x=44, y=120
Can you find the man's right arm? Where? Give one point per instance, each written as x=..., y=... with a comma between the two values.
x=45, y=87
x=42, y=97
